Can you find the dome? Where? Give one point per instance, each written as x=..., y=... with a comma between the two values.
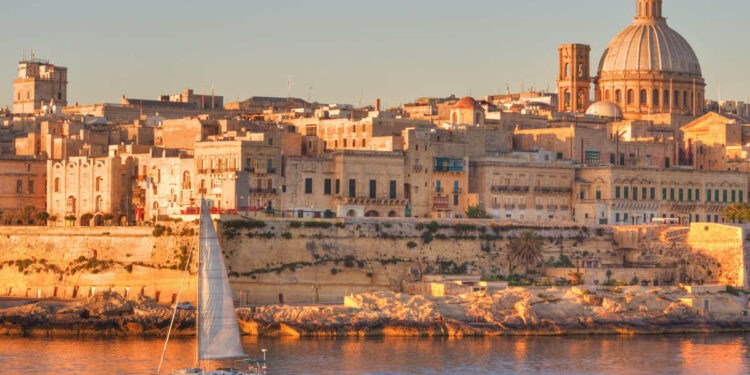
x=466, y=103
x=605, y=109
x=650, y=45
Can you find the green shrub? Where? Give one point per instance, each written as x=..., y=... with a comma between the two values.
x=294, y=224
x=158, y=230
x=339, y=225
x=411, y=244
x=243, y=224
x=318, y=224
x=433, y=226
x=427, y=237
x=286, y=235
x=335, y=271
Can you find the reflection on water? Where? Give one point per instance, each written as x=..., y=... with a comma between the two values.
x=698, y=354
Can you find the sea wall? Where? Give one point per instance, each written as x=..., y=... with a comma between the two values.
x=322, y=261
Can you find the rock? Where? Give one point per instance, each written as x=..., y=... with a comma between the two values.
x=107, y=304
x=593, y=299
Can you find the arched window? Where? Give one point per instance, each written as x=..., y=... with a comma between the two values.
x=455, y=118
x=666, y=98
x=57, y=184
x=567, y=70
x=684, y=99
x=98, y=184
x=631, y=97
x=618, y=96
x=567, y=98
x=579, y=99
x=364, y=143
x=71, y=204
x=676, y=99
x=186, y=180
x=99, y=203
x=477, y=119
x=655, y=98
x=606, y=95
x=644, y=98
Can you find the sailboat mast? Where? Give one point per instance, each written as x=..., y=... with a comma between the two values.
x=198, y=297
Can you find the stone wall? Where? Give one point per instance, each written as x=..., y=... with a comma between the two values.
x=727, y=246
x=322, y=261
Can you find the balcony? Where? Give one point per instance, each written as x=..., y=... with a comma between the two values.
x=521, y=206
x=448, y=165
x=552, y=207
x=510, y=206
x=553, y=190
x=262, y=191
x=509, y=189
x=539, y=207
x=440, y=203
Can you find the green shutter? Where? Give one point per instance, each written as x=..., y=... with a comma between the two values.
x=617, y=192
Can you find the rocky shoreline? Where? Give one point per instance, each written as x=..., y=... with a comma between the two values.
x=105, y=314
x=508, y=312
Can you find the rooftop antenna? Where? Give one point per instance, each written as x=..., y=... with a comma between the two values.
x=289, y=86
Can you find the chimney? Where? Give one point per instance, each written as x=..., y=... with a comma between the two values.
x=377, y=104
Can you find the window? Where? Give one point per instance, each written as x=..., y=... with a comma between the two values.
x=666, y=163
x=653, y=194
x=617, y=192
x=740, y=195
x=57, y=184
x=708, y=195
x=666, y=98
x=31, y=188
x=98, y=184
x=392, y=190
x=592, y=157
x=698, y=194
x=622, y=159
x=598, y=193
x=671, y=194
x=559, y=156
x=327, y=186
x=373, y=188
x=635, y=193
x=352, y=188
x=631, y=97
x=308, y=186
x=643, y=193
x=19, y=186
x=690, y=195
x=437, y=187
x=716, y=195
x=664, y=193
x=338, y=186
x=617, y=217
x=455, y=199
x=734, y=197
x=612, y=158
x=625, y=192
x=618, y=96
x=681, y=194
x=724, y=196
x=655, y=98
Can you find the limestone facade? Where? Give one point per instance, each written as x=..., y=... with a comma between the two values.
x=634, y=196
x=23, y=182
x=39, y=83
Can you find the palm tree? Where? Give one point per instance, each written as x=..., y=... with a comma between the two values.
x=526, y=249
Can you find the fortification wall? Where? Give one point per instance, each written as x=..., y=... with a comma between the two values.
x=308, y=263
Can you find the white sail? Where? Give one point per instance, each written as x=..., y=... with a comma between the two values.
x=218, y=332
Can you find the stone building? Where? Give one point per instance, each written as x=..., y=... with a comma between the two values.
x=243, y=172
x=634, y=196
x=39, y=83
x=345, y=183
x=101, y=187
x=649, y=68
x=574, y=79
x=22, y=183
x=718, y=142
x=524, y=187
x=467, y=112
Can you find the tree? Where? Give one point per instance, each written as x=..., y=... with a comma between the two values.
x=609, y=275
x=26, y=215
x=475, y=212
x=737, y=212
x=526, y=249
x=41, y=217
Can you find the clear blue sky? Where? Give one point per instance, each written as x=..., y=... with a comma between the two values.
x=347, y=51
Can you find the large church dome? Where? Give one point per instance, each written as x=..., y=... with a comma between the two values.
x=650, y=45
x=649, y=68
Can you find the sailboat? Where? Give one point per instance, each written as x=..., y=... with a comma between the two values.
x=217, y=331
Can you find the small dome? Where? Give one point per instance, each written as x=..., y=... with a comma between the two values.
x=605, y=109
x=466, y=103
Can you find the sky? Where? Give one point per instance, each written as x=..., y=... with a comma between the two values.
x=343, y=51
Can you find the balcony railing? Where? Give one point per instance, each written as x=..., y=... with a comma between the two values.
x=553, y=190
x=509, y=189
x=262, y=191
x=440, y=203
x=510, y=206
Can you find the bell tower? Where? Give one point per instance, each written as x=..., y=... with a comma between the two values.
x=574, y=78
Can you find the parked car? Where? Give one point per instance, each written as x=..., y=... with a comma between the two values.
x=184, y=306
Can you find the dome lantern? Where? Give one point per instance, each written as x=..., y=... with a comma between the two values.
x=649, y=9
